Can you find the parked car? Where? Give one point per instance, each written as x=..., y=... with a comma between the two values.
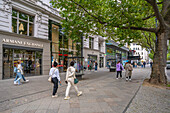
x=168, y=64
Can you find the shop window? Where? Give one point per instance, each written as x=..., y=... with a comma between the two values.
x=22, y=23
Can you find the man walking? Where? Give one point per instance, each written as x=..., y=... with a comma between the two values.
x=144, y=63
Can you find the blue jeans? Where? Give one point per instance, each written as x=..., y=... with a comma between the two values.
x=19, y=77
x=95, y=68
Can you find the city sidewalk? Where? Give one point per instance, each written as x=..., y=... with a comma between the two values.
x=102, y=93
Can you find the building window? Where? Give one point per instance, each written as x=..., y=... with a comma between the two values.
x=133, y=48
x=142, y=53
x=22, y=23
x=91, y=43
x=99, y=47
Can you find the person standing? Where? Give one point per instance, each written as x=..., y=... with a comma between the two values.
x=144, y=63
x=70, y=76
x=90, y=65
x=119, y=69
x=96, y=64
x=54, y=73
x=151, y=63
x=128, y=69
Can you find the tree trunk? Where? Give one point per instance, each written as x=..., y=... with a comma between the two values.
x=158, y=75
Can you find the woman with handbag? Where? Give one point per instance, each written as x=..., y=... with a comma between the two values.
x=55, y=78
x=71, y=81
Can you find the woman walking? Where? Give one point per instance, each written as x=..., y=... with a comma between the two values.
x=19, y=73
x=129, y=69
x=119, y=69
x=55, y=78
x=70, y=76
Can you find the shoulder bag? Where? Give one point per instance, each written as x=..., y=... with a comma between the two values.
x=50, y=78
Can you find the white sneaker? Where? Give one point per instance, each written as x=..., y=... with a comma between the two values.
x=54, y=96
x=126, y=79
x=67, y=98
x=79, y=94
x=15, y=82
x=130, y=79
x=27, y=81
x=117, y=78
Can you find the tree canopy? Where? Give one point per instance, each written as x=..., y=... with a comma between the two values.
x=120, y=20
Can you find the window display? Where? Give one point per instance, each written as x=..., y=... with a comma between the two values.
x=31, y=62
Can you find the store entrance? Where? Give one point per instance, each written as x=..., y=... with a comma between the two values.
x=31, y=62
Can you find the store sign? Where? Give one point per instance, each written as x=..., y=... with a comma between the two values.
x=18, y=42
x=68, y=49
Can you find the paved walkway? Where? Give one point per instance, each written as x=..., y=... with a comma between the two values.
x=102, y=93
x=151, y=100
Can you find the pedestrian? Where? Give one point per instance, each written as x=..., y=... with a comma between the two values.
x=144, y=63
x=151, y=63
x=96, y=64
x=128, y=69
x=119, y=69
x=22, y=73
x=70, y=76
x=90, y=65
x=55, y=78
x=19, y=73
x=135, y=65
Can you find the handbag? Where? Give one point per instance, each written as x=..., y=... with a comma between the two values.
x=76, y=81
x=50, y=78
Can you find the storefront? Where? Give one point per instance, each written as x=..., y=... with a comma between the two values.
x=114, y=53
x=64, y=50
x=31, y=51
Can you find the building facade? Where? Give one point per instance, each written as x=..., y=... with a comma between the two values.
x=24, y=27
x=114, y=53
x=139, y=51
x=94, y=50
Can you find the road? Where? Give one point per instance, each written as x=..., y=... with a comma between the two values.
x=168, y=74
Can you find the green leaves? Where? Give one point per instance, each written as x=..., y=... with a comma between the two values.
x=109, y=18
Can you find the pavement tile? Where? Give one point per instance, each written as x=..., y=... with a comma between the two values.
x=52, y=111
x=41, y=111
x=105, y=95
x=105, y=107
x=74, y=105
x=74, y=110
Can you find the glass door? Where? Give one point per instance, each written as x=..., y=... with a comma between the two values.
x=7, y=63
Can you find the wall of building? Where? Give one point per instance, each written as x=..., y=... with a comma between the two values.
x=42, y=12
x=99, y=52
x=24, y=39
x=140, y=51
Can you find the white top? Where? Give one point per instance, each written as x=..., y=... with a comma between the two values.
x=70, y=73
x=54, y=73
x=19, y=69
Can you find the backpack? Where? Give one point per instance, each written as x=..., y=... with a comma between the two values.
x=130, y=68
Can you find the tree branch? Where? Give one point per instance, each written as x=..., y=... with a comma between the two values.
x=148, y=17
x=159, y=2
x=148, y=42
x=157, y=13
x=139, y=28
x=89, y=13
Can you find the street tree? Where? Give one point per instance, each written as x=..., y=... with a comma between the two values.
x=125, y=21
